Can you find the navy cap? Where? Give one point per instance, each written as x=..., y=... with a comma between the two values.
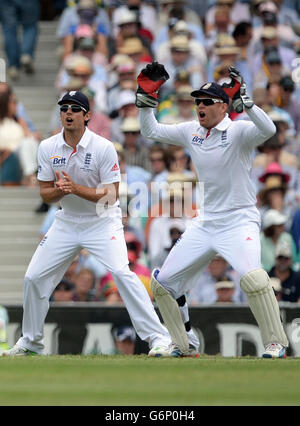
x=77, y=98
x=211, y=89
x=287, y=83
x=273, y=57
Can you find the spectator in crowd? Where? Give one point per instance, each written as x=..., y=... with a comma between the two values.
x=178, y=161
x=63, y=292
x=197, y=49
x=289, y=279
x=129, y=26
x=269, y=17
x=175, y=232
x=80, y=67
x=85, y=44
x=130, y=173
x=271, y=70
x=125, y=81
x=273, y=233
x=182, y=60
x=176, y=10
x=124, y=339
x=286, y=101
x=145, y=12
x=84, y=286
x=225, y=291
x=4, y=319
x=276, y=193
x=272, y=151
x=84, y=12
x=183, y=110
x=136, y=154
x=238, y=11
x=16, y=14
x=204, y=291
x=169, y=215
x=125, y=107
x=270, y=43
x=221, y=25
x=133, y=177
x=159, y=163
x=226, y=50
x=18, y=147
x=242, y=35
x=96, y=32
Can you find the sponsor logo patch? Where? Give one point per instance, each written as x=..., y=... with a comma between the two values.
x=58, y=161
x=115, y=168
x=197, y=140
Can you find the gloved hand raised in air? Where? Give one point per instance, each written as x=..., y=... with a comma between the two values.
x=149, y=81
x=237, y=91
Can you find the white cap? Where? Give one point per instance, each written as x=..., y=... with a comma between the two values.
x=273, y=217
x=283, y=249
x=126, y=97
x=126, y=16
x=130, y=124
x=224, y=284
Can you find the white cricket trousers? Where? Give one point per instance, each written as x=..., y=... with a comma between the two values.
x=235, y=236
x=104, y=239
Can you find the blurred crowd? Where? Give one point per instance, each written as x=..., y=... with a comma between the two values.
x=102, y=47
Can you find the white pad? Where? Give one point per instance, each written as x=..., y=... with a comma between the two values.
x=264, y=306
x=171, y=315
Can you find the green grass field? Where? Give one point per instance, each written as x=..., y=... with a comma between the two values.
x=139, y=380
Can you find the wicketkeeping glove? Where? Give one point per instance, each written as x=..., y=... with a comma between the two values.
x=237, y=91
x=149, y=81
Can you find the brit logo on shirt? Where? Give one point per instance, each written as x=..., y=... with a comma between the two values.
x=197, y=140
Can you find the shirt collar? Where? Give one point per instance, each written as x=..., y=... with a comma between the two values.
x=83, y=141
x=224, y=124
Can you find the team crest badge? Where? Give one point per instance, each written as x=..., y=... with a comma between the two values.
x=206, y=86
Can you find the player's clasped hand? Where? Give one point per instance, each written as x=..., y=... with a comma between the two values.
x=65, y=183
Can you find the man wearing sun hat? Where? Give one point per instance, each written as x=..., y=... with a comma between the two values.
x=229, y=224
x=283, y=270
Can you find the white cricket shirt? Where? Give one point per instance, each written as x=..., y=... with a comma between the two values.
x=93, y=162
x=222, y=157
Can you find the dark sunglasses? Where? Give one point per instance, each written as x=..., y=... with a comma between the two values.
x=74, y=108
x=207, y=101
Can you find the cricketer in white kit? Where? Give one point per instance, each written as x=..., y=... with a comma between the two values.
x=221, y=152
x=72, y=165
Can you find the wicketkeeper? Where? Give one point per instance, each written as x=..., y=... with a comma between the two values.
x=221, y=151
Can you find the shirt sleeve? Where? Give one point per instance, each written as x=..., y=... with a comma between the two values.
x=45, y=170
x=258, y=130
x=166, y=133
x=109, y=166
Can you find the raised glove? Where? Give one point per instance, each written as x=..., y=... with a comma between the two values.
x=236, y=90
x=247, y=102
x=149, y=81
